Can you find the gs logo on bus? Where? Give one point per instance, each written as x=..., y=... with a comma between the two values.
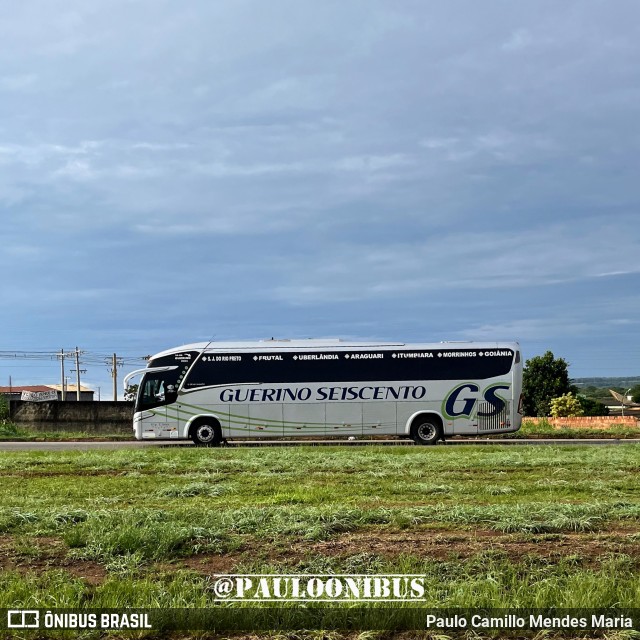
x=462, y=400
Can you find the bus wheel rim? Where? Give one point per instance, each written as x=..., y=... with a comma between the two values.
x=205, y=433
x=426, y=431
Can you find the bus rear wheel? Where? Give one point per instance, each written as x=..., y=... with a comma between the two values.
x=206, y=433
x=425, y=430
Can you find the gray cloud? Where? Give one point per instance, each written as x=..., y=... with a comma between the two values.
x=541, y=255
x=309, y=164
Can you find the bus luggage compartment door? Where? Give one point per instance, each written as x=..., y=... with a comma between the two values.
x=304, y=419
x=265, y=420
x=344, y=419
x=379, y=418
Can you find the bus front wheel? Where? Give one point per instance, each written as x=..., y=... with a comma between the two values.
x=426, y=430
x=206, y=433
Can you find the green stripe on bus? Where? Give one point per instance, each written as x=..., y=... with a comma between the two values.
x=242, y=420
x=235, y=415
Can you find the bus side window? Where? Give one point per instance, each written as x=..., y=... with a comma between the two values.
x=153, y=391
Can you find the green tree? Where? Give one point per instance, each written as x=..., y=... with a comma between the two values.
x=131, y=392
x=544, y=378
x=566, y=406
x=635, y=393
x=4, y=409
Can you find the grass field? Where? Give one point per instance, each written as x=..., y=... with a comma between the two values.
x=14, y=432
x=491, y=527
x=529, y=429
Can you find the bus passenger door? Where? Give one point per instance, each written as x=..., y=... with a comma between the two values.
x=164, y=424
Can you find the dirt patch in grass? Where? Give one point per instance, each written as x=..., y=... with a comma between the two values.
x=208, y=564
x=589, y=549
x=46, y=554
x=447, y=544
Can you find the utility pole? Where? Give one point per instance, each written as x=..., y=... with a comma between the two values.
x=62, y=387
x=77, y=375
x=114, y=368
x=78, y=371
x=115, y=363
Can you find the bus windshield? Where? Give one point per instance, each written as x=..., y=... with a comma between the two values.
x=159, y=385
x=157, y=389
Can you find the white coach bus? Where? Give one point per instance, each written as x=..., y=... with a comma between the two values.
x=325, y=388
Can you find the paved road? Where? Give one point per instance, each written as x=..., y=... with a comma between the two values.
x=85, y=446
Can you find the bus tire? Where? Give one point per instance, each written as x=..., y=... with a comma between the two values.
x=426, y=430
x=206, y=432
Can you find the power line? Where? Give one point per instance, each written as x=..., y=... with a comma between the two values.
x=25, y=359
x=88, y=356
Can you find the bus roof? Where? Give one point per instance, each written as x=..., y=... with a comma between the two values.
x=332, y=344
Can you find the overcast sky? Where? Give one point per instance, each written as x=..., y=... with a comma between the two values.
x=178, y=171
